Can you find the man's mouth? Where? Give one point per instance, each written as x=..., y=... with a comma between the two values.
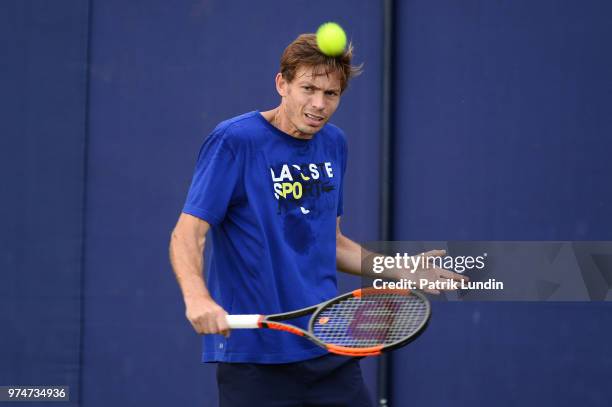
x=315, y=119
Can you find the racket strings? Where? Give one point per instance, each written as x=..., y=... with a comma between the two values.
x=378, y=319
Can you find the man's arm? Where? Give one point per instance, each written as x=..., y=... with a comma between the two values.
x=348, y=253
x=348, y=260
x=187, y=258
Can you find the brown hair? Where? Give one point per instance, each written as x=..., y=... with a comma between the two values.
x=303, y=51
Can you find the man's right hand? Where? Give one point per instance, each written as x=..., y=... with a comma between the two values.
x=206, y=316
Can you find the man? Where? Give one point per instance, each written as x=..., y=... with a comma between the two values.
x=268, y=188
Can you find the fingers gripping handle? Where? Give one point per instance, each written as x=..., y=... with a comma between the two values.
x=243, y=321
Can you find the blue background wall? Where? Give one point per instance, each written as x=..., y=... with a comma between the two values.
x=501, y=118
x=42, y=131
x=503, y=133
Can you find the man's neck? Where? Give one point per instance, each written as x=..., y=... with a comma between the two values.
x=278, y=119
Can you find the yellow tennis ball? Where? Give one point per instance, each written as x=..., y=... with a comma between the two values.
x=331, y=39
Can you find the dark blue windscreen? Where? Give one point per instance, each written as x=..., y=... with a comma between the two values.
x=503, y=130
x=42, y=147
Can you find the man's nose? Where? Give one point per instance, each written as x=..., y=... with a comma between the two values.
x=318, y=101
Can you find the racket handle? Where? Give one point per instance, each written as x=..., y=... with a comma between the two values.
x=243, y=321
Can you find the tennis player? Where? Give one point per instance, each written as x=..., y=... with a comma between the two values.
x=267, y=190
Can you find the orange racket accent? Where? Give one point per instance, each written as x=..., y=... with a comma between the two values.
x=362, y=292
x=346, y=351
x=282, y=327
x=260, y=320
x=323, y=320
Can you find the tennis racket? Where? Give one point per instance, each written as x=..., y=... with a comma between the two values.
x=364, y=322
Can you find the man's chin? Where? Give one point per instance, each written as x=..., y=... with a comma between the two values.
x=309, y=130
x=312, y=129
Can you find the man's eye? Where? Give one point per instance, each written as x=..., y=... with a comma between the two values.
x=308, y=87
x=332, y=93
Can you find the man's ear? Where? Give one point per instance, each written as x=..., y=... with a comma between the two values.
x=281, y=85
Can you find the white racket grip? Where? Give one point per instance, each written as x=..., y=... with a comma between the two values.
x=243, y=321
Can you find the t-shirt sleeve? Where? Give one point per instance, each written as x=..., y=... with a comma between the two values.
x=343, y=160
x=215, y=180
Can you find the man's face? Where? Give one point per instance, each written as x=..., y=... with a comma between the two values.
x=308, y=101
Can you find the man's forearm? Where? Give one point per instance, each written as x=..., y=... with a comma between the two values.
x=186, y=257
x=348, y=255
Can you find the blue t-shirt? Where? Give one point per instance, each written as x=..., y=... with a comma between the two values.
x=272, y=201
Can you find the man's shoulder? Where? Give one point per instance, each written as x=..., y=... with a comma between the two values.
x=233, y=133
x=238, y=126
x=335, y=133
